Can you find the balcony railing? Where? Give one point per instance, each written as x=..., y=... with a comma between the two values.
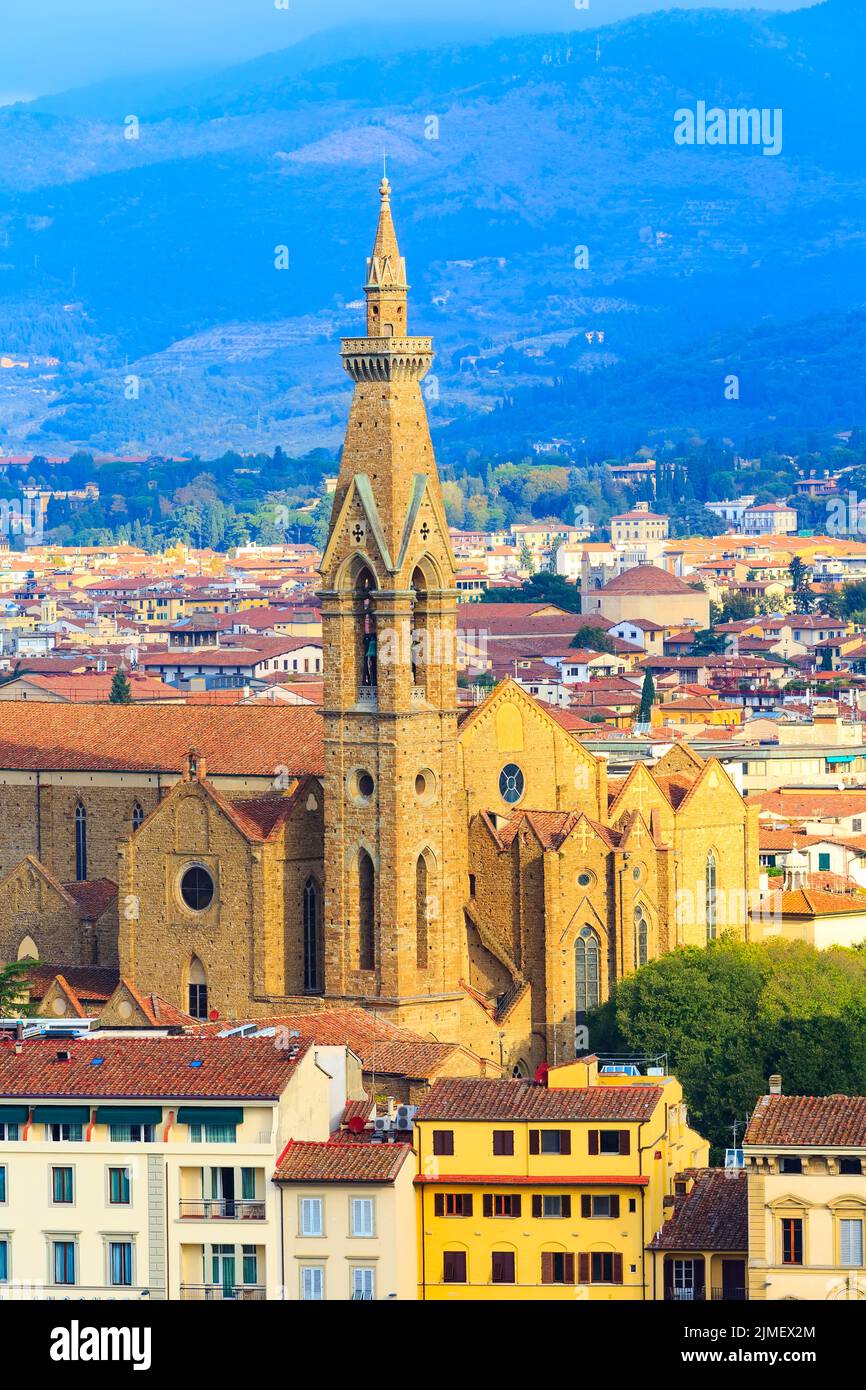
x=732, y=1294
x=222, y=1293
x=222, y=1209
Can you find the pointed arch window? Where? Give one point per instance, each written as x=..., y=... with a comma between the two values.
x=137, y=815
x=587, y=955
x=641, y=938
x=80, y=842
x=366, y=912
x=312, y=940
x=364, y=587
x=710, y=896
x=197, y=989
x=423, y=900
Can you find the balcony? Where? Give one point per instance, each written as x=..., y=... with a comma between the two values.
x=222, y=1293
x=221, y=1209
x=731, y=1294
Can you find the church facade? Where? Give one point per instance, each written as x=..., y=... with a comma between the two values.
x=470, y=873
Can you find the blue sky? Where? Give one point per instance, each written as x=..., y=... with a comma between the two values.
x=50, y=45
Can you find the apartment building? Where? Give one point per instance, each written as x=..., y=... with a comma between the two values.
x=806, y=1163
x=550, y=1189
x=141, y=1166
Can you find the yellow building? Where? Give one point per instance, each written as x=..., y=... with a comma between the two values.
x=158, y=606
x=806, y=1161
x=548, y=1189
x=701, y=1252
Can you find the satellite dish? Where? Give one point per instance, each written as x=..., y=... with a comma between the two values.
x=541, y=1073
x=357, y=1125
x=214, y=1015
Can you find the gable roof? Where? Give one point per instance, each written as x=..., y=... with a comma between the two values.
x=482, y=1099
x=305, y=1161
x=648, y=579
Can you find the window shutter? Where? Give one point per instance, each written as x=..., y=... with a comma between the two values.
x=566, y=1206
x=583, y=1269
x=537, y=1209
x=487, y=1204
x=565, y=1141
x=617, y=1269
x=439, y=1204
x=467, y=1204
x=614, y=1206
x=593, y=1141
x=569, y=1269
x=533, y=1141
x=624, y=1141
x=547, y=1267
x=515, y=1205
x=585, y=1205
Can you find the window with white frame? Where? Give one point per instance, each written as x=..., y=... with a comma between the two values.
x=362, y=1216
x=132, y=1134
x=3, y=1190
x=9, y=1133
x=851, y=1241
x=4, y=1259
x=120, y=1263
x=312, y=1283
x=363, y=1283
x=312, y=1222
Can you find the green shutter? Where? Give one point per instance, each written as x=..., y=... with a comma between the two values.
x=61, y=1114
x=209, y=1115
x=129, y=1115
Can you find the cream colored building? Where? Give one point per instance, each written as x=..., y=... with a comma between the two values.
x=347, y=1213
x=141, y=1166
x=805, y=1159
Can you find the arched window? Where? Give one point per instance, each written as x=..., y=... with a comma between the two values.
x=137, y=815
x=80, y=842
x=711, y=896
x=197, y=989
x=312, y=953
x=641, y=938
x=586, y=970
x=422, y=910
x=364, y=586
x=366, y=912
x=28, y=949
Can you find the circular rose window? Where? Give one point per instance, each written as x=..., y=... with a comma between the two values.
x=511, y=783
x=196, y=888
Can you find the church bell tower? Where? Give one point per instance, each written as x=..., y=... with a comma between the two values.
x=395, y=851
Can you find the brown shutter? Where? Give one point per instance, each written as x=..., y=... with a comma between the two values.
x=565, y=1141
x=614, y=1206
x=537, y=1209
x=584, y=1271
x=566, y=1206
x=624, y=1141
x=534, y=1145
x=569, y=1269
x=593, y=1141
x=487, y=1204
x=515, y=1205
x=617, y=1269
x=467, y=1204
x=547, y=1267
x=585, y=1205
x=439, y=1204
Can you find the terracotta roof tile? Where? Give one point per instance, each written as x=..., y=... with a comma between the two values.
x=93, y=896
x=809, y=1120
x=712, y=1216
x=481, y=1099
x=352, y=1163
x=158, y=1068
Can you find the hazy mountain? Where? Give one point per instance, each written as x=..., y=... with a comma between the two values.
x=153, y=258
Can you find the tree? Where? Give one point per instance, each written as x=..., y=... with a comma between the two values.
x=801, y=591
x=542, y=588
x=736, y=607
x=121, y=690
x=13, y=987
x=595, y=638
x=647, y=699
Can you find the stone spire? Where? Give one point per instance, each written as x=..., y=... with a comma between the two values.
x=386, y=286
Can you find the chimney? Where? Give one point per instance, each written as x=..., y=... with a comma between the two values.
x=775, y=1085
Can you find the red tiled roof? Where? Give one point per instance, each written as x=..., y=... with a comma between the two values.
x=809, y=1120
x=236, y=741
x=482, y=1099
x=647, y=579
x=157, y=1068
x=304, y=1161
x=92, y=896
x=712, y=1216
x=96, y=982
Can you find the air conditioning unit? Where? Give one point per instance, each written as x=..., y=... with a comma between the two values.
x=405, y=1117
x=382, y=1124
